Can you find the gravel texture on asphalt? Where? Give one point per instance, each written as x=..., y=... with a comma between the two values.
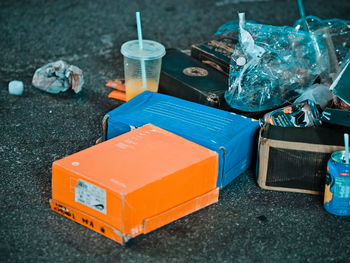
x=248, y=224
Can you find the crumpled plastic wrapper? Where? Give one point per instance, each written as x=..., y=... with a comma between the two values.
x=301, y=114
x=339, y=30
x=56, y=77
x=271, y=64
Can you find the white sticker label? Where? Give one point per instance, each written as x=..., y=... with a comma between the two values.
x=91, y=196
x=342, y=187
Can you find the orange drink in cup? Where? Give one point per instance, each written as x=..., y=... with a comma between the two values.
x=141, y=66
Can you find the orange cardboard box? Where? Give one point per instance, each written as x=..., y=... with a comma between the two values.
x=134, y=183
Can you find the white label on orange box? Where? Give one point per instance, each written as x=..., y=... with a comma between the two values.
x=91, y=196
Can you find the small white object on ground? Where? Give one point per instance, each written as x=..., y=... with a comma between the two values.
x=16, y=87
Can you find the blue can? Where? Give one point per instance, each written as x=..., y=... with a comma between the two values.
x=337, y=187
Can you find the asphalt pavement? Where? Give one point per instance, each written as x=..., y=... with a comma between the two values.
x=248, y=224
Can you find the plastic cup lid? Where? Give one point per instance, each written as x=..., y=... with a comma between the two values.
x=151, y=50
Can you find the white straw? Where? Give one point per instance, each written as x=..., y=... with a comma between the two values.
x=346, y=142
x=139, y=33
x=139, y=29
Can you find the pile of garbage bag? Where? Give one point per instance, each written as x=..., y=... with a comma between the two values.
x=273, y=65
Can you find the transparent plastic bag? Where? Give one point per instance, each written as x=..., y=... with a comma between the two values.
x=339, y=31
x=318, y=93
x=271, y=65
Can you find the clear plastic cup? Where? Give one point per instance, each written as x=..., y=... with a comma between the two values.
x=141, y=64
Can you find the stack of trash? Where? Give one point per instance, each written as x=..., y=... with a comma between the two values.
x=297, y=81
x=164, y=156
x=161, y=157
x=274, y=66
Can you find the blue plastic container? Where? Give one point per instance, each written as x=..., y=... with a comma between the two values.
x=232, y=136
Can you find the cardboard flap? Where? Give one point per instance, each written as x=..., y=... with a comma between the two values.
x=180, y=211
x=88, y=221
x=105, y=127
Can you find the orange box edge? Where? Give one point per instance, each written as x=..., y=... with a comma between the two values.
x=149, y=224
